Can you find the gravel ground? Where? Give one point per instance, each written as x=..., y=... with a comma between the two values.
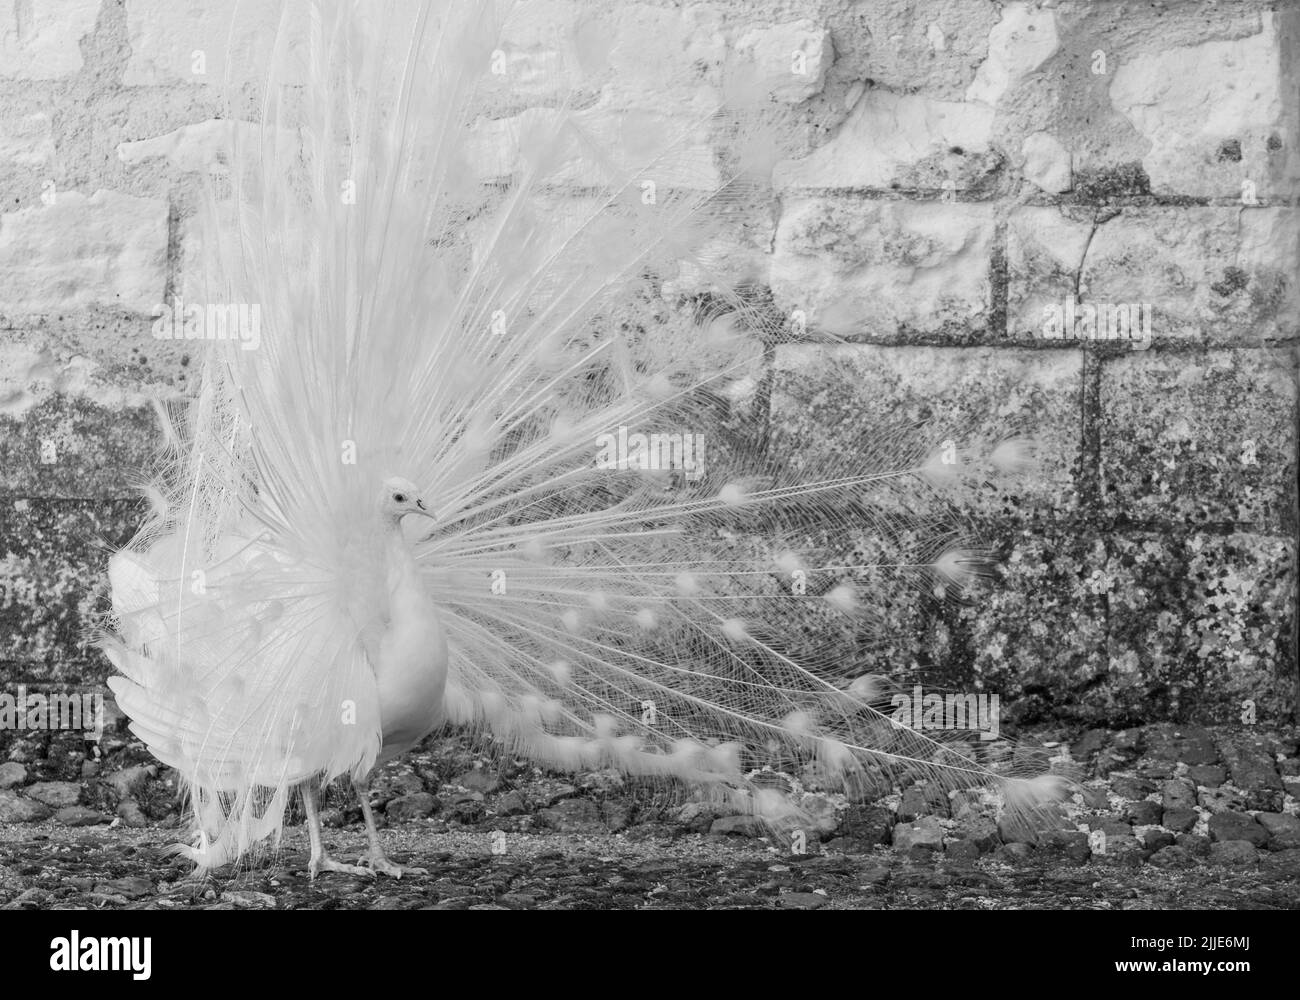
x=1166, y=818
x=105, y=869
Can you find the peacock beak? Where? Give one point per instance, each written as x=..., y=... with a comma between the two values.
x=425, y=510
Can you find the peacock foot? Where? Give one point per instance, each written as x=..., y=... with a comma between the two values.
x=324, y=863
x=380, y=865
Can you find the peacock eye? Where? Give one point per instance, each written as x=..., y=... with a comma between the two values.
x=400, y=497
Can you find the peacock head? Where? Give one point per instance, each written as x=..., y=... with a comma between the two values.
x=402, y=497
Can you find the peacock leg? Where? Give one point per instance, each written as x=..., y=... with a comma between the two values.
x=320, y=861
x=378, y=859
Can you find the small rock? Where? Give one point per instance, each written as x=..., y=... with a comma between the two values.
x=1217, y=800
x=1179, y=820
x=420, y=805
x=130, y=781
x=1234, y=852
x=961, y=850
x=79, y=816
x=868, y=825
x=1172, y=857
x=1287, y=862
x=1194, y=844
x=697, y=817
x=467, y=808
x=1123, y=850
x=245, y=899
x=16, y=809
x=90, y=769
x=513, y=803
x=1175, y=794
x=1283, y=828
x=1013, y=853
x=1207, y=775
x=12, y=774
x=1155, y=839
x=573, y=816
x=130, y=888
x=1095, y=797
x=130, y=813
x=1111, y=824
x=1070, y=844
x=517, y=901
x=1143, y=813
x=925, y=834
x=801, y=900
x=979, y=831
x=1131, y=787
x=1090, y=743
x=923, y=800
x=1028, y=829
x=478, y=780
x=1228, y=826
x=488, y=906
x=55, y=794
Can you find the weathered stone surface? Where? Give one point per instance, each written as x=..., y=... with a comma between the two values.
x=1208, y=112
x=74, y=448
x=27, y=141
x=857, y=268
x=1019, y=43
x=976, y=398
x=51, y=583
x=165, y=38
x=1046, y=162
x=107, y=250
x=1209, y=275
x=1199, y=623
x=40, y=41
x=787, y=61
x=905, y=141
x=1201, y=438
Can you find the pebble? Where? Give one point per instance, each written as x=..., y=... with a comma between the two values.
x=405, y=808
x=801, y=901
x=1229, y=826
x=1234, y=852
x=16, y=809
x=925, y=834
x=79, y=816
x=12, y=774
x=1172, y=857
x=1283, y=828
x=55, y=794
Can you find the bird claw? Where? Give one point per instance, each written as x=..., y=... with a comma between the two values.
x=328, y=864
x=382, y=866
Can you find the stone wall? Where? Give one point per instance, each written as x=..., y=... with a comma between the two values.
x=970, y=163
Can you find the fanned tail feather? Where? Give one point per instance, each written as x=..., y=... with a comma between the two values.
x=530, y=317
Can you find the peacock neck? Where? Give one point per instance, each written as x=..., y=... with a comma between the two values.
x=399, y=564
